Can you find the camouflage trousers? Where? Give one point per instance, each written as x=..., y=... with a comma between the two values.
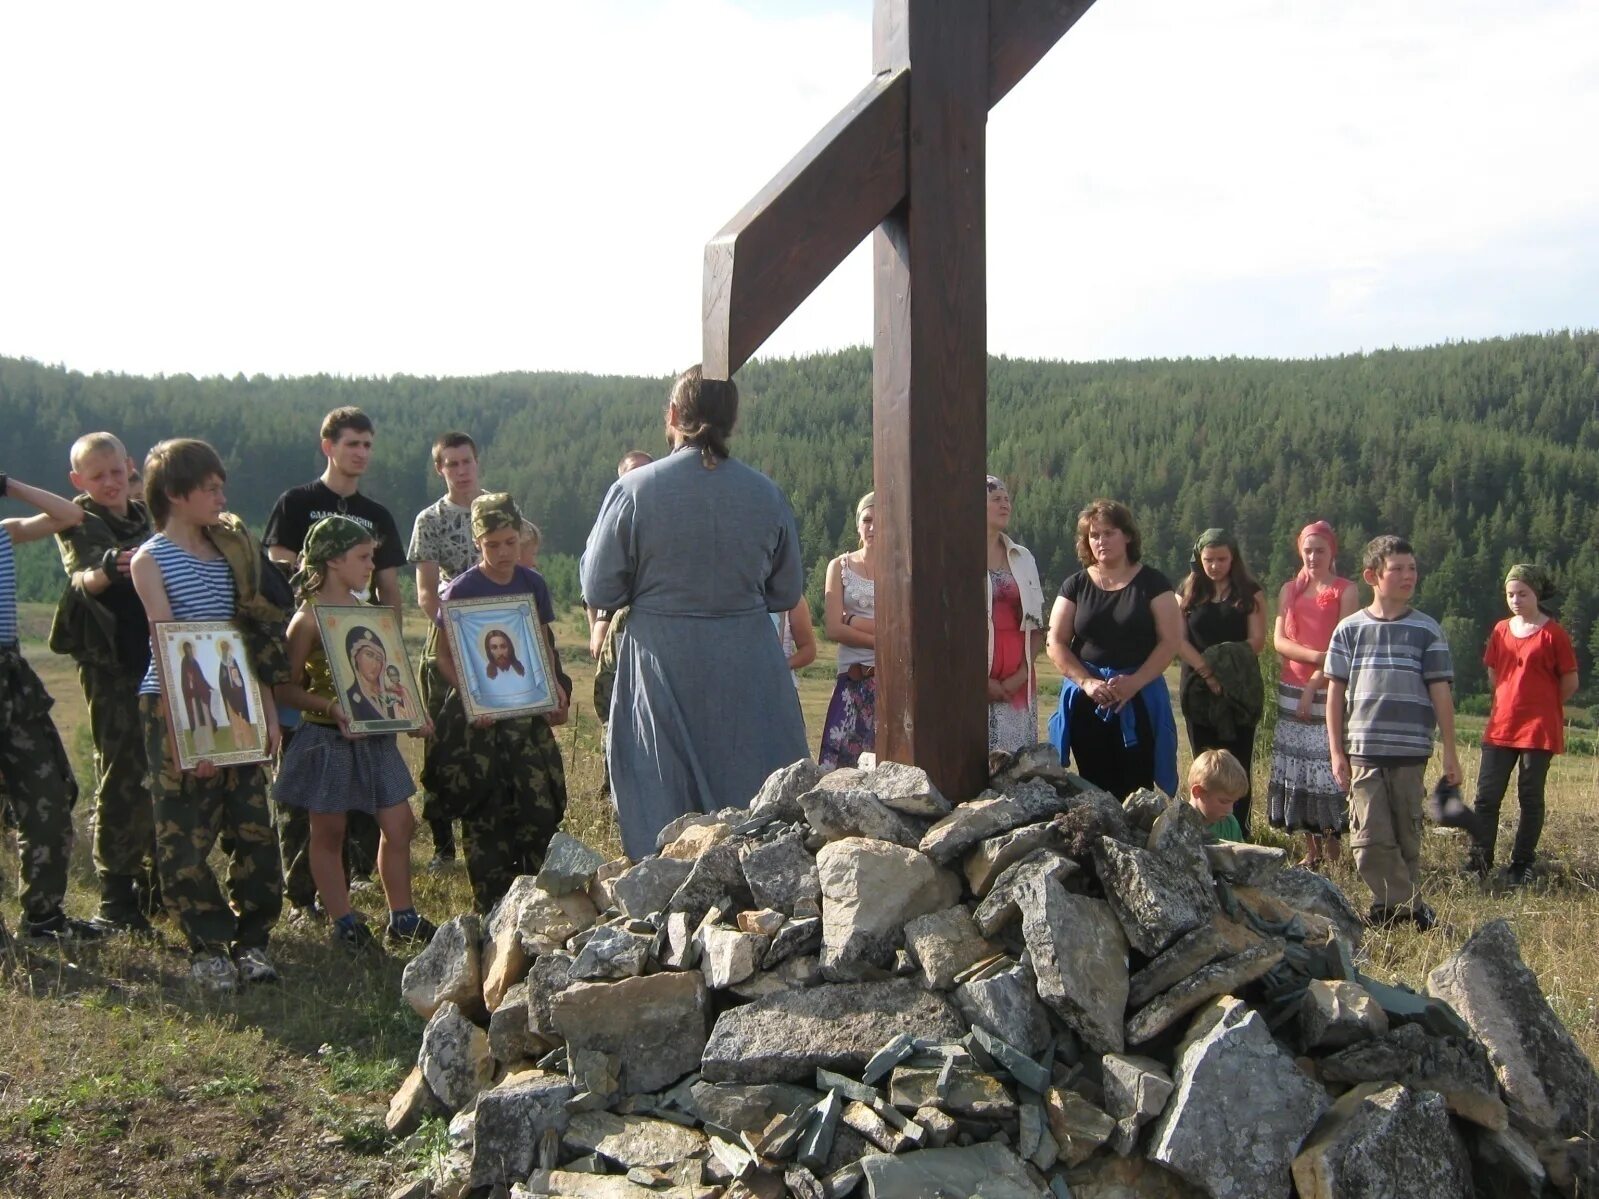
x=191, y=815
x=508, y=785
x=124, y=816
x=39, y=783
x=434, y=690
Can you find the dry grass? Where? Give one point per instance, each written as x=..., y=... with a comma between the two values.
x=117, y=1077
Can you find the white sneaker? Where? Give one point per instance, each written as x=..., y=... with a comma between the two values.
x=214, y=973
x=255, y=966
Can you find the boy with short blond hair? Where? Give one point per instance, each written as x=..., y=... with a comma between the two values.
x=1389, y=682
x=101, y=624
x=1216, y=781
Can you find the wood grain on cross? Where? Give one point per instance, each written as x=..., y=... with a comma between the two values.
x=905, y=158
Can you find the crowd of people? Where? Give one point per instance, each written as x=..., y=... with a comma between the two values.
x=693, y=580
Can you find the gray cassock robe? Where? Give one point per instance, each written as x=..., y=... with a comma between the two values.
x=704, y=707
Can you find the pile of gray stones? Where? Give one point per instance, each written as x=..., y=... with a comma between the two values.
x=853, y=987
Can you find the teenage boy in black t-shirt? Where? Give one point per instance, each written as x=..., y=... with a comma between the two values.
x=347, y=435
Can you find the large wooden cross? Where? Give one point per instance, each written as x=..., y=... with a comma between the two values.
x=905, y=158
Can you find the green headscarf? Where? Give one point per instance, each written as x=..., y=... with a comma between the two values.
x=493, y=511
x=1539, y=580
x=331, y=537
x=1212, y=537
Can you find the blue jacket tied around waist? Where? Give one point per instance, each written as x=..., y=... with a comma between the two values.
x=1157, y=702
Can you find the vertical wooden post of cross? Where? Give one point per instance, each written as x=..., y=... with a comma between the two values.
x=930, y=400
x=905, y=157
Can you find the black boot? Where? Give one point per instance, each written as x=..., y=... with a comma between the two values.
x=120, y=910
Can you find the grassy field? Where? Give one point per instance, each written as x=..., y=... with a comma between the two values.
x=117, y=1077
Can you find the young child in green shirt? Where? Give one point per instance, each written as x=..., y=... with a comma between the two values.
x=1216, y=781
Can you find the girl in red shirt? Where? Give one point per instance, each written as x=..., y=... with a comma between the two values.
x=1533, y=672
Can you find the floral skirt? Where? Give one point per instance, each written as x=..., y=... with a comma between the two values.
x=1302, y=796
x=1011, y=728
x=851, y=727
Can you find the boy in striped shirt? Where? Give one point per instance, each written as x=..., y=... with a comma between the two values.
x=1389, y=682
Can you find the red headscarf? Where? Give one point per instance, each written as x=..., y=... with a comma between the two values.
x=1316, y=528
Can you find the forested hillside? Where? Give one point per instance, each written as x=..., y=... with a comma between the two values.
x=1485, y=453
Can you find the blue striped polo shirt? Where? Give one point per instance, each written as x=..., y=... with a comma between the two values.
x=8, y=589
x=197, y=589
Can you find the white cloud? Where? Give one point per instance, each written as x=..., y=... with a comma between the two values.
x=399, y=187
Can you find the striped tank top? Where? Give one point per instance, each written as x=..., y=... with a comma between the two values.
x=8, y=589
x=197, y=589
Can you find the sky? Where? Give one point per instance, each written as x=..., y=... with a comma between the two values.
x=369, y=188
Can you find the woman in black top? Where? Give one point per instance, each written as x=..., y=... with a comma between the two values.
x=1221, y=602
x=1113, y=631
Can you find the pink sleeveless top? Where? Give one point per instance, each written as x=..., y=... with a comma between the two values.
x=1310, y=620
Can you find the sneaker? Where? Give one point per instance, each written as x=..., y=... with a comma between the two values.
x=1423, y=917
x=61, y=927
x=255, y=966
x=214, y=972
x=304, y=915
x=356, y=937
x=1477, y=864
x=1519, y=874
x=361, y=883
x=418, y=930
x=441, y=861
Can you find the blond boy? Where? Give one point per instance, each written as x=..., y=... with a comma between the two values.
x=1216, y=781
x=101, y=624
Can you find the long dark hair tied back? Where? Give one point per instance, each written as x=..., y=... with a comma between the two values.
x=1197, y=588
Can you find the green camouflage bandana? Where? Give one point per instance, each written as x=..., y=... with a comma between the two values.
x=493, y=511
x=330, y=538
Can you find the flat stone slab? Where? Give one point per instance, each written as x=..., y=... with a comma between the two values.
x=1240, y=1110
x=655, y=1025
x=1245, y=865
x=1210, y=942
x=944, y=944
x=455, y=1057
x=987, y=1170
x=838, y=1026
x=1219, y=978
x=448, y=970
x=985, y=863
x=970, y=823
x=634, y=1140
x=870, y=890
x=1079, y=956
x=837, y=814
x=569, y=865
x=510, y=1120
x=1384, y=1141
x=906, y=789
x=1547, y=1077
x=779, y=794
x=781, y=873
x=647, y=888
x=1306, y=891
x=1006, y=1004
x=1155, y=901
